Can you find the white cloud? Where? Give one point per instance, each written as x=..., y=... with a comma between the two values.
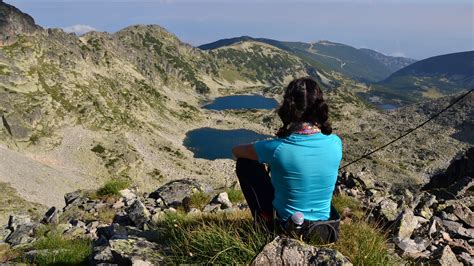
x=79, y=29
x=398, y=54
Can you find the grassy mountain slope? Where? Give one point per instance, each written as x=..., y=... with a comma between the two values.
x=430, y=78
x=361, y=64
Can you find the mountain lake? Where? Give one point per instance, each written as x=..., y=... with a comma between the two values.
x=210, y=143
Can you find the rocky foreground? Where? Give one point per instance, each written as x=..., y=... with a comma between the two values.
x=434, y=225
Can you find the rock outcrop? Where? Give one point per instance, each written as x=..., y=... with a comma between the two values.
x=14, y=22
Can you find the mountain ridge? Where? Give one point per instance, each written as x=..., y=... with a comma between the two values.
x=383, y=65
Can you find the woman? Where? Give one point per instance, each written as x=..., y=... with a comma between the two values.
x=303, y=159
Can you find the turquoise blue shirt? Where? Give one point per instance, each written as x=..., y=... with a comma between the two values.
x=303, y=171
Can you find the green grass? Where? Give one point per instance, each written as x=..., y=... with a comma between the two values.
x=232, y=238
x=213, y=239
x=199, y=200
x=342, y=202
x=112, y=187
x=235, y=195
x=62, y=250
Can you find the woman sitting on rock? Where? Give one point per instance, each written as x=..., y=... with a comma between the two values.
x=304, y=159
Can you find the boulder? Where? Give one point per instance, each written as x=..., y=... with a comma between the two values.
x=128, y=196
x=406, y=224
x=51, y=216
x=223, y=199
x=17, y=220
x=287, y=251
x=138, y=213
x=457, y=229
x=113, y=231
x=102, y=254
x=412, y=248
x=71, y=197
x=445, y=256
x=135, y=251
x=4, y=233
x=464, y=214
x=22, y=234
x=174, y=192
x=466, y=258
x=388, y=210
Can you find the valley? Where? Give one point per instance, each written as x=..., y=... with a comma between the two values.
x=78, y=111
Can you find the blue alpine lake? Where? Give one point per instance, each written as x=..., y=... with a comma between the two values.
x=210, y=143
x=242, y=102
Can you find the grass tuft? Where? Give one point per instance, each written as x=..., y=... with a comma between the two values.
x=112, y=187
x=235, y=195
x=214, y=238
x=199, y=199
x=59, y=250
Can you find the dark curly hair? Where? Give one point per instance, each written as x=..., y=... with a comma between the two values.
x=303, y=102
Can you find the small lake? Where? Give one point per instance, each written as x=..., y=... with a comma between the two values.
x=387, y=106
x=211, y=143
x=242, y=102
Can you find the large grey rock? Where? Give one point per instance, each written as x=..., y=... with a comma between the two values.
x=457, y=229
x=388, y=209
x=464, y=214
x=412, y=248
x=23, y=234
x=446, y=257
x=113, y=231
x=406, y=224
x=174, y=192
x=135, y=251
x=102, y=254
x=138, y=213
x=287, y=251
x=17, y=220
x=466, y=258
x=71, y=197
x=129, y=196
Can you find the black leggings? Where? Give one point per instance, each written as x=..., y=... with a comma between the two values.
x=257, y=188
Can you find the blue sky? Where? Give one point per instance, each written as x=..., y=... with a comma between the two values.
x=412, y=28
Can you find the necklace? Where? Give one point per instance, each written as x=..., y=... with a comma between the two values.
x=306, y=128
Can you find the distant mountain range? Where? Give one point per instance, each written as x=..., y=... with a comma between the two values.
x=429, y=78
x=360, y=64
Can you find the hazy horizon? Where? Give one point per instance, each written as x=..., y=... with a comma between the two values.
x=410, y=28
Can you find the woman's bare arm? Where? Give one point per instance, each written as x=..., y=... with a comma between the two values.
x=246, y=151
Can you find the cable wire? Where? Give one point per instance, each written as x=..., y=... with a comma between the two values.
x=409, y=131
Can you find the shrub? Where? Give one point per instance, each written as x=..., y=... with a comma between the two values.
x=112, y=187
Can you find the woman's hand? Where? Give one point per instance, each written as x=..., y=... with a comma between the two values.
x=246, y=151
